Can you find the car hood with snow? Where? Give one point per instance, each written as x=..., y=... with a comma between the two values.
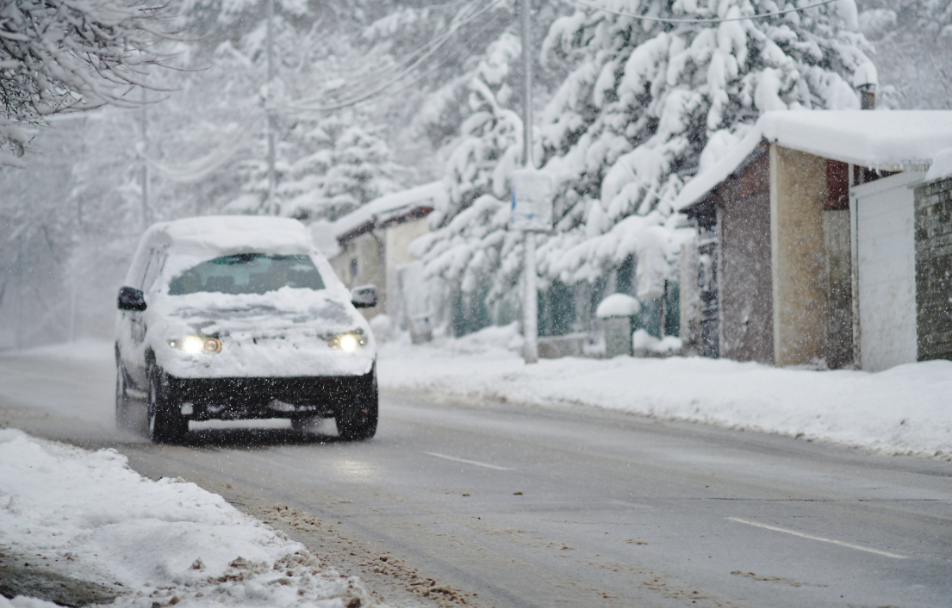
x=285, y=333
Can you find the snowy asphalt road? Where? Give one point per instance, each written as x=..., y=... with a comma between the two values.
x=535, y=507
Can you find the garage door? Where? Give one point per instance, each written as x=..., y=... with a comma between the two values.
x=885, y=246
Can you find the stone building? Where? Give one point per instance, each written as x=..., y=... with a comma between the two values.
x=806, y=248
x=933, y=201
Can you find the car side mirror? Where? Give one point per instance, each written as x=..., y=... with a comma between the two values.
x=364, y=296
x=131, y=298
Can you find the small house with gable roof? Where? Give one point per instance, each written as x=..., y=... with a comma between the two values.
x=372, y=242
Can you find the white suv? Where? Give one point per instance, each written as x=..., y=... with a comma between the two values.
x=241, y=317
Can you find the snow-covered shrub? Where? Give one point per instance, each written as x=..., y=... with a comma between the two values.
x=381, y=327
x=331, y=167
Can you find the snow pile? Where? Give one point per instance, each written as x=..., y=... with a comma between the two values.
x=93, y=518
x=618, y=305
x=941, y=166
x=494, y=339
x=643, y=343
x=381, y=327
x=193, y=240
x=904, y=410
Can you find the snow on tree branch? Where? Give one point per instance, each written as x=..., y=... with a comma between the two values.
x=66, y=55
x=643, y=108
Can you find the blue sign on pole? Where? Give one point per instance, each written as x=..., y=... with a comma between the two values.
x=532, y=193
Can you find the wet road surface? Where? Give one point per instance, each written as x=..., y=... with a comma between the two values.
x=505, y=505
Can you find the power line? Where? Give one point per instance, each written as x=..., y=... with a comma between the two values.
x=666, y=20
x=405, y=85
x=408, y=63
x=302, y=105
x=204, y=166
x=409, y=57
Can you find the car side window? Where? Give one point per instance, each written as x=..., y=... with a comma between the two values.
x=145, y=270
x=153, y=268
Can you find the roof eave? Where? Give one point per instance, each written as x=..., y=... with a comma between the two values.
x=390, y=219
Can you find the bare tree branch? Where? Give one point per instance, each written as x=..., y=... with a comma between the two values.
x=69, y=55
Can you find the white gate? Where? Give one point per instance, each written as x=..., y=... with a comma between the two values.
x=884, y=243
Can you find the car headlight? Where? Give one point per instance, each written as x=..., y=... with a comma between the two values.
x=348, y=342
x=194, y=344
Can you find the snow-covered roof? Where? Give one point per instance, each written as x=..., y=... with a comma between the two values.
x=698, y=187
x=888, y=140
x=390, y=206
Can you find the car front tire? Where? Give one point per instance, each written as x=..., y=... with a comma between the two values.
x=166, y=423
x=359, y=421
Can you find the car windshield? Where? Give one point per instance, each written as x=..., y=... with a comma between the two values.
x=256, y=273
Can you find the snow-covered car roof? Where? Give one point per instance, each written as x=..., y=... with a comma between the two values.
x=231, y=232
x=900, y=140
x=197, y=239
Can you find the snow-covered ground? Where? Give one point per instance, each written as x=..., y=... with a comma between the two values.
x=904, y=410
x=87, y=515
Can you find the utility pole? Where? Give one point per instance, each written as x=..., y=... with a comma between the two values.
x=272, y=207
x=145, y=163
x=530, y=324
x=78, y=237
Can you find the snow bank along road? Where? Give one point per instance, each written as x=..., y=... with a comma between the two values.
x=503, y=505
x=903, y=410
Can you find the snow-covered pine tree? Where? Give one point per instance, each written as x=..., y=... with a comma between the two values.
x=327, y=162
x=651, y=103
x=444, y=42
x=913, y=40
x=339, y=166
x=207, y=143
x=646, y=105
x=472, y=240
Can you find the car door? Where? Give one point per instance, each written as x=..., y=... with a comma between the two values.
x=132, y=330
x=150, y=284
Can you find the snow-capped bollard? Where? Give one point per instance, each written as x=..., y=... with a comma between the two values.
x=617, y=311
x=421, y=329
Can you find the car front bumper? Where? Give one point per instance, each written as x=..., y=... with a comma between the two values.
x=244, y=398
